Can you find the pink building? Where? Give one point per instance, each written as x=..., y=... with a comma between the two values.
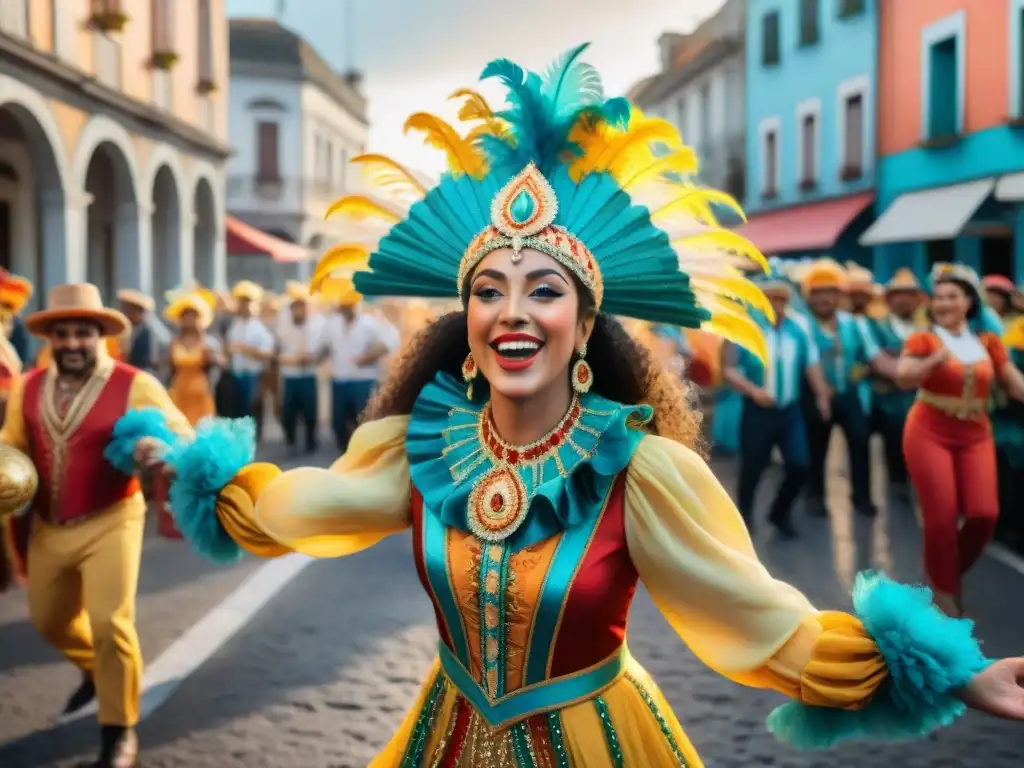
x=950, y=135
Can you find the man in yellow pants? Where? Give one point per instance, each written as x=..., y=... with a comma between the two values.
x=86, y=422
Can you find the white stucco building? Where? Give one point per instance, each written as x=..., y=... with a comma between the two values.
x=700, y=89
x=294, y=124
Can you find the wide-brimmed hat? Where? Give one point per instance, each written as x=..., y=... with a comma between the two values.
x=195, y=302
x=296, y=291
x=999, y=283
x=823, y=274
x=903, y=280
x=77, y=301
x=247, y=289
x=136, y=299
x=860, y=279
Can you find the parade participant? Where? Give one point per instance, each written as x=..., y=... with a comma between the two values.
x=299, y=342
x=890, y=403
x=947, y=440
x=355, y=344
x=86, y=422
x=141, y=348
x=860, y=287
x=1008, y=433
x=1000, y=295
x=14, y=295
x=540, y=458
x=847, y=353
x=193, y=354
x=771, y=416
x=268, y=389
x=250, y=345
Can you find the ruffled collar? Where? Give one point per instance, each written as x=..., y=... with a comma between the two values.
x=565, y=476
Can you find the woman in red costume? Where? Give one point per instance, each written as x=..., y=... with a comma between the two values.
x=948, y=441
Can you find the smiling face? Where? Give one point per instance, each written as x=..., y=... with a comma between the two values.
x=75, y=345
x=951, y=302
x=524, y=323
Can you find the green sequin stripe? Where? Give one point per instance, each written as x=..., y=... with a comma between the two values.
x=521, y=746
x=418, y=741
x=609, y=731
x=497, y=633
x=557, y=740
x=662, y=723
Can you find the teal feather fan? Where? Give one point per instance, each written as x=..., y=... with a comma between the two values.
x=623, y=185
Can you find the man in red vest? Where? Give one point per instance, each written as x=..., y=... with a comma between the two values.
x=87, y=422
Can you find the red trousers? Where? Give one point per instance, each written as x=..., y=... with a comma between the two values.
x=952, y=464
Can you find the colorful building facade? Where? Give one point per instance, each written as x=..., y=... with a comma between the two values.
x=950, y=183
x=810, y=94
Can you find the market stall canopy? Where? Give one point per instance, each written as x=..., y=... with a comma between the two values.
x=930, y=214
x=244, y=240
x=811, y=227
x=1010, y=188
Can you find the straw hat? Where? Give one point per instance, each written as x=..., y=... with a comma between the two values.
x=824, y=273
x=195, y=302
x=296, y=291
x=341, y=292
x=136, y=299
x=247, y=289
x=903, y=280
x=859, y=279
x=76, y=301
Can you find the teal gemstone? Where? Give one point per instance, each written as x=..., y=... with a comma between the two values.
x=523, y=207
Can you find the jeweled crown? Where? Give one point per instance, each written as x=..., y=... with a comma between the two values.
x=522, y=213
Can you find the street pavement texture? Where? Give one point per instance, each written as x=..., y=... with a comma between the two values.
x=323, y=674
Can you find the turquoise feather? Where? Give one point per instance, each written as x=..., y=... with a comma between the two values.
x=421, y=255
x=129, y=429
x=221, y=448
x=929, y=655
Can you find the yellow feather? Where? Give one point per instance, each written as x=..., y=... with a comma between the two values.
x=346, y=258
x=462, y=156
x=475, y=107
x=682, y=161
x=637, y=139
x=381, y=171
x=692, y=195
x=727, y=240
x=747, y=335
x=738, y=288
x=362, y=208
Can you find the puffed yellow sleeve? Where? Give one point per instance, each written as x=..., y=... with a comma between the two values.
x=693, y=553
x=363, y=497
x=148, y=392
x=13, y=432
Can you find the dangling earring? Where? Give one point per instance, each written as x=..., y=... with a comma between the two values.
x=469, y=371
x=582, y=373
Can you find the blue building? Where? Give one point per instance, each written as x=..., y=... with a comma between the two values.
x=811, y=74
x=950, y=182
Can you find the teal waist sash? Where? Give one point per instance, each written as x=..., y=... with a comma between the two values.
x=546, y=696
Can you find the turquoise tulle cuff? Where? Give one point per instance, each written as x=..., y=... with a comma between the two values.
x=929, y=656
x=129, y=429
x=202, y=468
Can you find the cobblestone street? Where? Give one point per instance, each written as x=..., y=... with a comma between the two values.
x=323, y=674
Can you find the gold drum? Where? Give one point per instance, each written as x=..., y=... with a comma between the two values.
x=18, y=480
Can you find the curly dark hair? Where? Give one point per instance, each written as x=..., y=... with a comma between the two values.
x=624, y=372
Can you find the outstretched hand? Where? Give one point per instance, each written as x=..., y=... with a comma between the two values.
x=999, y=690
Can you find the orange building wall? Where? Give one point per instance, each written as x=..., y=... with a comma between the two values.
x=899, y=66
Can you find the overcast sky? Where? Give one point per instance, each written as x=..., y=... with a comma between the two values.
x=416, y=52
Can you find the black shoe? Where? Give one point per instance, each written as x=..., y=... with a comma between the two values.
x=866, y=509
x=82, y=696
x=784, y=526
x=119, y=747
x=816, y=508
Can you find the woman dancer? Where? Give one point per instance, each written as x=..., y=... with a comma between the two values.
x=947, y=440
x=192, y=355
x=542, y=461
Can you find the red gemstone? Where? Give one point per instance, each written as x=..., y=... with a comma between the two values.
x=555, y=440
x=513, y=457
x=583, y=375
x=497, y=502
x=499, y=452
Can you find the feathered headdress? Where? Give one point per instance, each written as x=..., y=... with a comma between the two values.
x=590, y=181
